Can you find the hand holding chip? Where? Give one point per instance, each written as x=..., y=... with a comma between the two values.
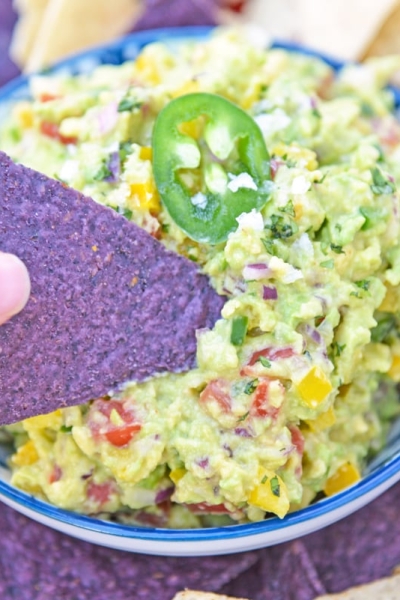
x=14, y=286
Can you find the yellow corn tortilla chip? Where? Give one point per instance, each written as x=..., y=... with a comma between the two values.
x=383, y=589
x=72, y=25
x=342, y=28
x=24, y=35
x=387, y=38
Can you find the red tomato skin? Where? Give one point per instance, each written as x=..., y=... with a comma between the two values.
x=218, y=390
x=261, y=406
x=51, y=130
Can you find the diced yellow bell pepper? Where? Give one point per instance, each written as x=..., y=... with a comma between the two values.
x=145, y=196
x=177, y=474
x=297, y=153
x=270, y=493
x=145, y=153
x=391, y=301
x=147, y=68
x=190, y=87
x=394, y=371
x=24, y=114
x=251, y=96
x=192, y=128
x=314, y=387
x=323, y=421
x=346, y=475
x=52, y=420
x=25, y=455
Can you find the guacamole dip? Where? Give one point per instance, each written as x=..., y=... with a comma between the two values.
x=285, y=178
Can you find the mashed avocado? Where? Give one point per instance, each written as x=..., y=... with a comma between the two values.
x=297, y=381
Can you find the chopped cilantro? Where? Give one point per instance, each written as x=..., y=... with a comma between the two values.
x=279, y=228
x=382, y=329
x=275, y=487
x=363, y=284
x=315, y=112
x=264, y=479
x=380, y=184
x=127, y=104
x=238, y=331
x=264, y=361
x=288, y=208
x=66, y=428
x=165, y=227
x=337, y=249
x=328, y=264
x=251, y=386
x=243, y=417
x=371, y=216
x=102, y=173
x=125, y=148
x=367, y=110
x=269, y=245
x=338, y=348
x=128, y=214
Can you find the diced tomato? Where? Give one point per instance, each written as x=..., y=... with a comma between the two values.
x=52, y=131
x=218, y=390
x=46, y=97
x=55, y=474
x=122, y=435
x=118, y=435
x=271, y=354
x=100, y=492
x=206, y=508
x=297, y=439
x=261, y=406
x=275, y=164
x=235, y=5
x=268, y=353
x=155, y=519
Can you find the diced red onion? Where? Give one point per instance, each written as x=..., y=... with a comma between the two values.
x=243, y=432
x=270, y=292
x=114, y=166
x=163, y=495
x=203, y=462
x=311, y=333
x=256, y=271
x=107, y=118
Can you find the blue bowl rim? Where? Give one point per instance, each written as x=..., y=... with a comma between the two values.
x=324, y=506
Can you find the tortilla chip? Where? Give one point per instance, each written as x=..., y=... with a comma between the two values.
x=387, y=38
x=195, y=595
x=24, y=34
x=330, y=27
x=108, y=302
x=383, y=589
x=72, y=25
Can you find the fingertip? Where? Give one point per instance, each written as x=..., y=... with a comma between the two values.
x=15, y=286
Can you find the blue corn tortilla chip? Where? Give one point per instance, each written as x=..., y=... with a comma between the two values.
x=108, y=303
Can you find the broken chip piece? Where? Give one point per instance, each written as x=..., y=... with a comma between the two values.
x=108, y=304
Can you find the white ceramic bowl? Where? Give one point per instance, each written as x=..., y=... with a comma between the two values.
x=380, y=475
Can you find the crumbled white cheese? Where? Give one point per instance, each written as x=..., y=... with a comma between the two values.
x=69, y=170
x=251, y=220
x=283, y=271
x=292, y=275
x=300, y=185
x=243, y=180
x=199, y=200
x=304, y=245
x=272, y=122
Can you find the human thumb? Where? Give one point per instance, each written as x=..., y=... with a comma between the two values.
x=15, y=286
